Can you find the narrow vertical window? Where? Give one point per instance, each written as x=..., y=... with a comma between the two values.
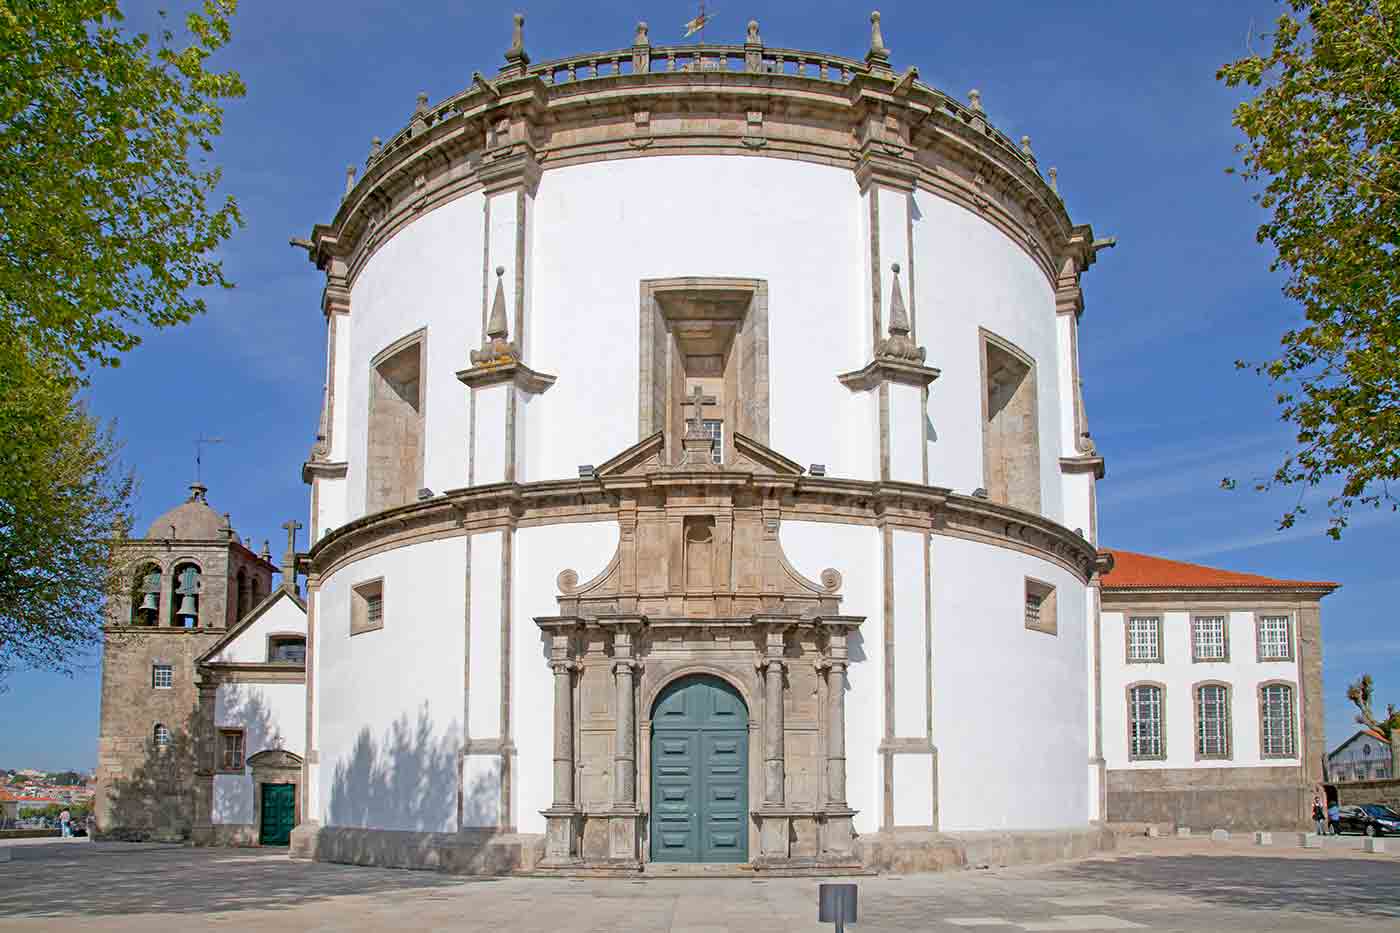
x=1277, y=729
x=1208, y=638
x=1144, y=639
x=1275, y=641
x=162, y=736
x=366, y=607
x=1145, y=738
x=1212, y=721
x=231, y=750
x=714, y=427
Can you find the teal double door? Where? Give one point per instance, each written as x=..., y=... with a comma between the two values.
x=699, y=773
x=279, y=809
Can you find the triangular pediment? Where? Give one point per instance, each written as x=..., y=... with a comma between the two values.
x=764, y=459
x=642, y=457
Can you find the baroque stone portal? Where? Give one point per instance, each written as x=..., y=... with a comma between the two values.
x=700, y=592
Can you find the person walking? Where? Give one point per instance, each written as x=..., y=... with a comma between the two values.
x=1334, y=816
x=65, y=822
x=1319, y=816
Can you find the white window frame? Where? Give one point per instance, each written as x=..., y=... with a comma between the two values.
x=1147, y=739
x=157, y=670
x=1265, y=647
x=1219, y=643
x=1133, y=645
x=714, y=427
x=1272, y=744
x=162, y=736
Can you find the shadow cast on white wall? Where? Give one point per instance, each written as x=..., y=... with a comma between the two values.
x=405, y=780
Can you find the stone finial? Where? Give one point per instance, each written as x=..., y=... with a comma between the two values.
x=422, y=106
x=878, y=58
x=495, y=348
x=1026, y=149
x=643, y=36
x=752, y=37
x=898, y=344
x=266, y=553
x=1054, y=179
x=516, y=56
x=974, y=100
x=349, y=178
x=375, y=146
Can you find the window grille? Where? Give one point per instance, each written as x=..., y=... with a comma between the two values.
x=1208, y=638
x=1145, y=722
x=374, y=609
x=714, y=427
x=231, y=749
x=1276, y=716
x=162, y=736
x=1213, y=721
x=1033, y=601
x=1144, y=642
x=162, y=677
x=1274, y=643
x=288, y=650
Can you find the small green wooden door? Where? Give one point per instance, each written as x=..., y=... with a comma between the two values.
x=699, y=773
x=278, y=814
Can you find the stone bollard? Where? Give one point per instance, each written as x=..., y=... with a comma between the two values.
x=1183, y=832
x=1219, y=835
x=1308, y=840
x=1263, y=839
x=1372, y=844
x=1153, y=832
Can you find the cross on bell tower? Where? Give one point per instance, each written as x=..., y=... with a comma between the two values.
x=289, y=560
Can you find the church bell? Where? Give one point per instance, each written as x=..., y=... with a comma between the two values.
x=187, y=607
x=149, y=603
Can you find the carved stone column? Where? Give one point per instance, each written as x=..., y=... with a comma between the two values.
x=774, y=820
x=561, y=819
x=623, y=821
x=839, y=836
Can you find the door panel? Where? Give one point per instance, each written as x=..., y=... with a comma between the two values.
x=699, y=762
x=278, y=814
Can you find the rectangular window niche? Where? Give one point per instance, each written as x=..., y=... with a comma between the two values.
x=1040, y=607
x=367, y=606
x=1010, y=424
x=394, y=464
x=711, y=333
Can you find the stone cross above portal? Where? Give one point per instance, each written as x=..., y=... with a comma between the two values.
x=695, y=427
x=289, y=560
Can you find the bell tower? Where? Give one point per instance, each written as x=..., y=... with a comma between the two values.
x=184, y=584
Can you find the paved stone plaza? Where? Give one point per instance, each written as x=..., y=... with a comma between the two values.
x=1158, y=885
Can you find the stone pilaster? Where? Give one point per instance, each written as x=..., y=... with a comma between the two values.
x=202, y=830
x=623, y=835
x=774, y=832
x=562, y=818
x=839, y=836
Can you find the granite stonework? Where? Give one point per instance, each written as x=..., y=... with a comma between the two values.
x=910, y=851
x=470, y=852
x=1357, y=792
x=1232, y=798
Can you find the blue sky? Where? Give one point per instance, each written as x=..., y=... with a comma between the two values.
x=1122, y=98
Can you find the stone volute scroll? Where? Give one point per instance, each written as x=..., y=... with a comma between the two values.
x=498, y=359
x=897, y=357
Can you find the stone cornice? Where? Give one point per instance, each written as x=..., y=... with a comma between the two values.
x=1083, y=465
x=251, y=672
x=600, y=498
x=885, y=369
x=323, y=469
x=512, y=371
x=884, y=127
x=1138, y=596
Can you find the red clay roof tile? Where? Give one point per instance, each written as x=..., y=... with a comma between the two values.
x=1132, y=571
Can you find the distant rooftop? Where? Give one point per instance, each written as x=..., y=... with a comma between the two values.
x=1133, y=571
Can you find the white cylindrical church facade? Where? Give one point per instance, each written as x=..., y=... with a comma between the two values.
x=589, y=331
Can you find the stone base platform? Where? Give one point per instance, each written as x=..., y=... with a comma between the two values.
x=911, y=851
x=484, y=852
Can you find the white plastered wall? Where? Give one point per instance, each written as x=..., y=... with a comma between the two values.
x=427, y=275
x=599, y=229
x=389, y=702
x=1178, y=674
x=1000, y=686
x=273, y=716
x=854, y=550
x=969, y=275
x=283, y=616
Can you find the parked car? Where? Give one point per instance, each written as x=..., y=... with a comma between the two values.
x=1373, y=819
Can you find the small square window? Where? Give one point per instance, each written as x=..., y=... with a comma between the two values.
x=1275, y=638
x=162, y=676
x=231, y=750
x=1144, y=639
x=367, y=606
x=1210, y=638
x=1040, y=607
x=287, y=649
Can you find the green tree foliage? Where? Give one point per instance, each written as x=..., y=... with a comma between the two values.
x=106, y=222
x=64, y=506
x=1323, y=137
x=1361, y=694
